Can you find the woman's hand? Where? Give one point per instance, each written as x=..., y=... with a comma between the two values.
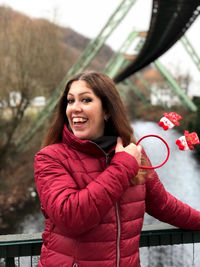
x=131, y=149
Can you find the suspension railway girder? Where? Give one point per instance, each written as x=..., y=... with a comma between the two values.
x=169, y=21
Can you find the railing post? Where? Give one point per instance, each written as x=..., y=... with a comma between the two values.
x=10, y=262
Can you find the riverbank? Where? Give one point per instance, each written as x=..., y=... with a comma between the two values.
x=17, y=197
x=12, y=217
x=17, y=187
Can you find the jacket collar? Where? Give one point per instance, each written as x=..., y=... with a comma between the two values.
x=86, y=146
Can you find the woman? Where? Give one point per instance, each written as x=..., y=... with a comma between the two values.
x=92, y=193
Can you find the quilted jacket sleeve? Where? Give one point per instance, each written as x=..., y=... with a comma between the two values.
x=76, y=211
x=165, y=207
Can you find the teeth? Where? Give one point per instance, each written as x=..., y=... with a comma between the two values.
x=79, y=120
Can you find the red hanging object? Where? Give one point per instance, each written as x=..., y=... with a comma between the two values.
x=169, y=120
x=188, y=141
x=168, y=150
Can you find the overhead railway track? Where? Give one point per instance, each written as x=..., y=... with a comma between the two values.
x=169, y=22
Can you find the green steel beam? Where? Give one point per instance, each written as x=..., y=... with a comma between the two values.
x=117, y=59
x=89, y=53
x=136, y=91
x=171, y=81
x=175, y=87
x=191, y=51
x=143, y=80
x=122, y=90
x=140, y=44
x=168, y=77
x=107, y=30
x=148, y=87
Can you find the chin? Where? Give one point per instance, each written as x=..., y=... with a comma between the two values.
x=81, y=136
x=86, y=135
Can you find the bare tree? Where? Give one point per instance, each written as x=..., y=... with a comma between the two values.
x=31, y=61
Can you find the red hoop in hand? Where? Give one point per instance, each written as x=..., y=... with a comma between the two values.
x=168, y=151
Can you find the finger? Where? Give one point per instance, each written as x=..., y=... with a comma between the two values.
x=139, y=147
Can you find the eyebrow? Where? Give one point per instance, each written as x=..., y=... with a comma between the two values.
x=86, y=92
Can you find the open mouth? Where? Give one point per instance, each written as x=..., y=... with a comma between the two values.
x=79, y=121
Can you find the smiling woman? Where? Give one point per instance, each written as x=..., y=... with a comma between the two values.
x=93, y=193
x=84, y=112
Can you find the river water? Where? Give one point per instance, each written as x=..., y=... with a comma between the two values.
x=180, y=176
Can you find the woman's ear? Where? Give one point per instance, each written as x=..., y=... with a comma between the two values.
x=106, y=116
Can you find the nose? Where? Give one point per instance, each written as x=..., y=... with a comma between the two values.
x=76, y=107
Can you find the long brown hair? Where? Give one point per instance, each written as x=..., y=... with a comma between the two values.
x=104, y=88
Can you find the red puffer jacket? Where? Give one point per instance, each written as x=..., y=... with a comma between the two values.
x=93, y=216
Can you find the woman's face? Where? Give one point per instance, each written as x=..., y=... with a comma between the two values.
x=84, y=111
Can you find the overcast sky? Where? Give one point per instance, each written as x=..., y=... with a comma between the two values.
x=89, y=16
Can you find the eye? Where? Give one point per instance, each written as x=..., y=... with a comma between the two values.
x=86, y=100
x=70, y=101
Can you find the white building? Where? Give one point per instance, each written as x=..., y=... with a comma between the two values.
x=38, y=101
x=14, y=98
x=163, y=96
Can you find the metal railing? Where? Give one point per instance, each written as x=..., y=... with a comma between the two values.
x=165, y=234
x=13, y=247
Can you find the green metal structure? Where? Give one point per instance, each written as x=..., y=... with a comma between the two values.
x=148, y=87
x=177, y=90
x=119, y=61
x=131, y=86
x=86, y=57
x=95, y=45
x=175, y=87
x=191, y=51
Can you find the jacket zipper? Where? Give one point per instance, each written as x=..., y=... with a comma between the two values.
x=118, y=234
x=117, y=215
x=118, y=222
x=107, y=159
x=107, y=155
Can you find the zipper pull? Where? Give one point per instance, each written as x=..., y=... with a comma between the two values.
x=107, y=159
